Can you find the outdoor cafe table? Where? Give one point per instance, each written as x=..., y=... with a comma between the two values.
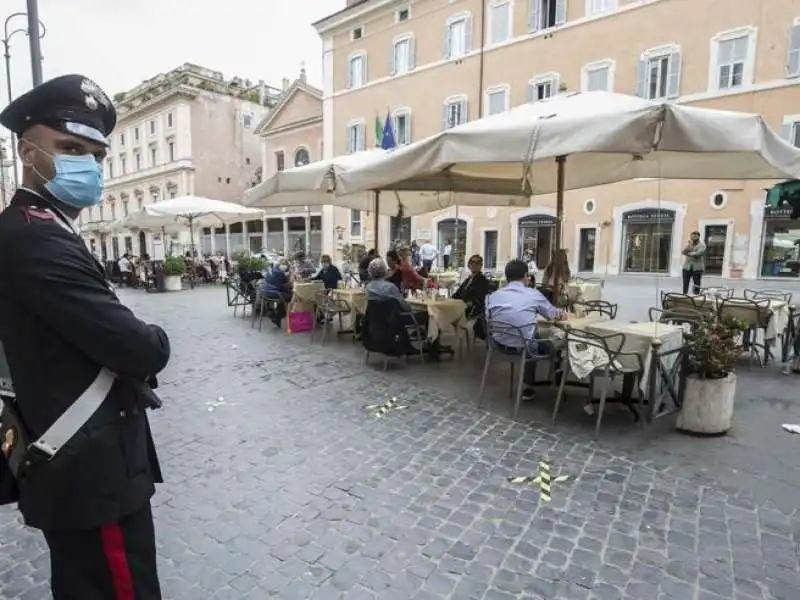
x=443, y=314
x=584, y=291
x=658, y=344
x=306, y=291
x=356, y=298
x=779, y=309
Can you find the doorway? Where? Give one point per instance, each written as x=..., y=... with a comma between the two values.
x=715, y=238
x=647, y=245
x=142, y=243
x=454, y=230
x=537, y=234
x=586, y=249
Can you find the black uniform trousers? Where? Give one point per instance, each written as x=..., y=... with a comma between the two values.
x=116, y=561
x=695, y=277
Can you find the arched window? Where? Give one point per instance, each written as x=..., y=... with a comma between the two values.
x=301, y=157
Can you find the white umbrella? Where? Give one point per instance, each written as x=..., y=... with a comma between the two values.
x=607, y=138
x=187, y=211
x=315, y=183
x=604, y=137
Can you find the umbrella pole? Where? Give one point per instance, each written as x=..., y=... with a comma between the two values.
x=377, y=208
x=561, y=167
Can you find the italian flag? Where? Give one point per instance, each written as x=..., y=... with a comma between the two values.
x=378, y=132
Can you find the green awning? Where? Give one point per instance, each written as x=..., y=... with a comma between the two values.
x=775, y=192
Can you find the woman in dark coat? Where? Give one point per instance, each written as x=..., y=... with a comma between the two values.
x=474, y=289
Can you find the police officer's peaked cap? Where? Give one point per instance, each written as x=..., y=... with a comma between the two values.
x=73, y=104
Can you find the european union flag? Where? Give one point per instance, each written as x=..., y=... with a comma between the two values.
x=387, y=141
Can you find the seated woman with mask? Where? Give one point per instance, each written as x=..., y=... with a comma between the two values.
x=474, y=289
x=329, y=273
x=277, y=286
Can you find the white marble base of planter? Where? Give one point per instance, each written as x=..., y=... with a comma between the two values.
x=707, y=405
x=172, y=283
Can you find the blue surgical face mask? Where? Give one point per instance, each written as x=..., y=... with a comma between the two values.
x=78, y=180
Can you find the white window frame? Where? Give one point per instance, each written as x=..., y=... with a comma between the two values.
x=790, y=128
x=553, y=78
x=492, y=4
x=591, y=7
x=466, y=17
x=668, y=50
x=598, y=65
x=350, y=125
x=748, y=70
x=275, y=153
x=496, y=89
x=535, y=16
x=397, y=13
x=402, y=112
x=353, y=37
x=153, y=152
x=407, y=38
x=462, y=99
x=790, y=50
x=352, y=221
x=362, y=55
x=170, y=120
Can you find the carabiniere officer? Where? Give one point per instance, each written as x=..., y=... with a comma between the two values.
x=61, y=325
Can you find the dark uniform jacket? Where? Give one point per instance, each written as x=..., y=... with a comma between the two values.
x=60, y=323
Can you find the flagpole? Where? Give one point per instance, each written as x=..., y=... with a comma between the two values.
x=377, y=208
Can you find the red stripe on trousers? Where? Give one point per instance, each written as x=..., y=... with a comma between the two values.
x=114, y=549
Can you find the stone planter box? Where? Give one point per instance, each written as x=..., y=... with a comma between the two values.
x=707, y=405
x=172, y=283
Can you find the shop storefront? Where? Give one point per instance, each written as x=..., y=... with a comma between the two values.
x=780, y=250
x=647, y=240
x=537, y=233
x=454, y=230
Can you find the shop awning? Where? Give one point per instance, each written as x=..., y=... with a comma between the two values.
x=783, y=193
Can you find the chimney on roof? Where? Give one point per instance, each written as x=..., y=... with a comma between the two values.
x=262, y=92
x=302, y=72
x=285, y=83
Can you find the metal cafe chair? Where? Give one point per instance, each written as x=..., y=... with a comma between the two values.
x=517, y=355
x=328, y=307
x=602, y=307
x=768, y=295
x=612, y=361
x=755, y=315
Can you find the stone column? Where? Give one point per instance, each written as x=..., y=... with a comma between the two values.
x=264, y=243
x=245, y=238
x=227, y=241
x=285, y=237
x=308, y=231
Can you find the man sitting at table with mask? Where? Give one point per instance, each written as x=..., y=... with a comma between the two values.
x=518, y=306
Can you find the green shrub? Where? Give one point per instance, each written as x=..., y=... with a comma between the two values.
x=174, y=265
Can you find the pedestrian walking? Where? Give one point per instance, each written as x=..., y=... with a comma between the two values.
x=76, y=438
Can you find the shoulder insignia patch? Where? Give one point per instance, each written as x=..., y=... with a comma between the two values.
x=32, y=213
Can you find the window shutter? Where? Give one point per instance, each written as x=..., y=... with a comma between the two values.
x=347, y=80
x=561, y=12
x=641, y=79
x=535, y=15
x=412, y=54
x=362, y=141
x=446, y=42
x=793, y=59
x=463, y=117
x=363, y=68
x=786, y=131
x=445, y=111
x=468, y=34
x=674, y=74
x=392, y=57
x=530, y=92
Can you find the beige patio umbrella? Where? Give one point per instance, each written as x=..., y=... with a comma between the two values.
x=603, y=137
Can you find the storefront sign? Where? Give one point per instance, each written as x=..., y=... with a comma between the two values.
x=782, y=212
x=648, y=215
x=537, y=221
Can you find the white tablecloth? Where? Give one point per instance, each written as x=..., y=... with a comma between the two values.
x=443, y=315
x=638, y=338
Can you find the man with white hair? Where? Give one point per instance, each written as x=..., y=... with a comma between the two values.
x=380, y=289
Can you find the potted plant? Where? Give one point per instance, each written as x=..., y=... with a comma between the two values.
x=714, y=348
x=174, y=267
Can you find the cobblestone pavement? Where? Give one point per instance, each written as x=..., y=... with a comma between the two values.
x=281, y=485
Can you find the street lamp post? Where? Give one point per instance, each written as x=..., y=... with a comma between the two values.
x=7, y=35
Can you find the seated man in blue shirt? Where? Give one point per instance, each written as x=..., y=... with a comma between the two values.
x=518, y=306
x=276, y=286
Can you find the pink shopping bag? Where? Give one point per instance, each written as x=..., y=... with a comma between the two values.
x=299, y=322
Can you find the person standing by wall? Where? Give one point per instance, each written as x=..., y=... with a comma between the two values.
x=428, y=254
x=447, y=252
x=694, y=264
